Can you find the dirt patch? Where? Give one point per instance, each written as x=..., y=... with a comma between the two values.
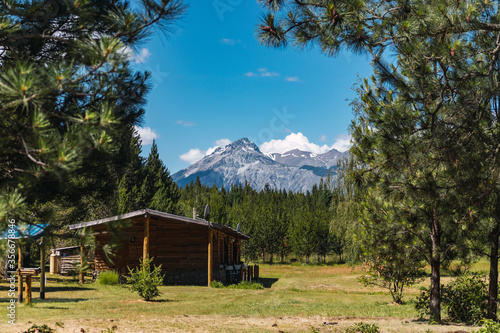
x=191, y=323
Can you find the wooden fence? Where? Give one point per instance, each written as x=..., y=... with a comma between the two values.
x=250, y=273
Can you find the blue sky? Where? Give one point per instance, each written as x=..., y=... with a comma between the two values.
x=213, y=83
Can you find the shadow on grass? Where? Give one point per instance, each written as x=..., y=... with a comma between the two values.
x=55, y=308
x=163, y=301
x=268, y=282
x=52, y=289
x=444, y=322
x=59, y=300
x=37, y=300
x=63, y=288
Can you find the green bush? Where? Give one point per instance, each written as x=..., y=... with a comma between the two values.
x=363, y=328
x=144, y=281
x=241, y=285
x=217, y=284
x=465, y=299
x=490, y=326
x=39, y=329
x=110, y=330
x=422, y=302
x=108, y=278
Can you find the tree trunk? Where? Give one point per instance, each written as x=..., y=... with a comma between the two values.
x=435, y=297
x=493, y=286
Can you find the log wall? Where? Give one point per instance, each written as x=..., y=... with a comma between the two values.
x=181, y=248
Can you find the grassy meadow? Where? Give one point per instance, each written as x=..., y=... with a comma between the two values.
x=296, y=298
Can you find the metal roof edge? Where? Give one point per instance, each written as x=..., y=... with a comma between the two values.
x=156, y=213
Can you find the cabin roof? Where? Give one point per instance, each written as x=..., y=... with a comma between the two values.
x=155, y=213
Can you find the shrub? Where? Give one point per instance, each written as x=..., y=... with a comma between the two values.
x=490, y=326
x=241, y=285
x=216, y=284
x=422, y=302
x=393, y=272
x=144, y=281
x=108, y=278
x=363, y=328
x=39, y=329
x=465, y=299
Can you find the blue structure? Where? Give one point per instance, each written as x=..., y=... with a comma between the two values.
x=32, y=231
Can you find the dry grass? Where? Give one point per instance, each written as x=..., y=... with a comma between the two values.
x=296, y=299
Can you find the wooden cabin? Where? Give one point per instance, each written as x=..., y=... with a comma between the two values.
x=191, y=251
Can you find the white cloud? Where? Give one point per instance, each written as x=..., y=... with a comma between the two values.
x=193, y=155
x=293, y=141
x=262, y=72
x=222, y=142
x=268, y=74
x=147, y=134
x=229, y=41
x=141, y=57
x=292, y=79
x=196, y=154
x=138, y=58
x=185, y=123
x=342, y=142
x=301, y=142
x=322, y=138
x=128, y=52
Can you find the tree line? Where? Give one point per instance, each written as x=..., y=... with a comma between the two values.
x=279, y=222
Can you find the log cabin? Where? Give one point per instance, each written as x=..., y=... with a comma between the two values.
x=191, y=251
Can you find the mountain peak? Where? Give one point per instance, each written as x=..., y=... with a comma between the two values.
x=244, y=143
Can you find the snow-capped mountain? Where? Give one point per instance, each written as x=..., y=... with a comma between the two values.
x=242, y=161
x=299, y=158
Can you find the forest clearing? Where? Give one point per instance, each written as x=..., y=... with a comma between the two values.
x=296, y=298
x=401, y=180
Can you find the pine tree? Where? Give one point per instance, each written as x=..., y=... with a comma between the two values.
x=67, y=88
x=434, y=114
x=303, y=232
x=158, y=190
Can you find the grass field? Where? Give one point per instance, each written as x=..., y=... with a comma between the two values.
x=296, y=299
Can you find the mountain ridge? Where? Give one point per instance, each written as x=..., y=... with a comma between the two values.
x=242, y=161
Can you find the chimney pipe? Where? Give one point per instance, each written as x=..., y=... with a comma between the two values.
x=194, y=213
